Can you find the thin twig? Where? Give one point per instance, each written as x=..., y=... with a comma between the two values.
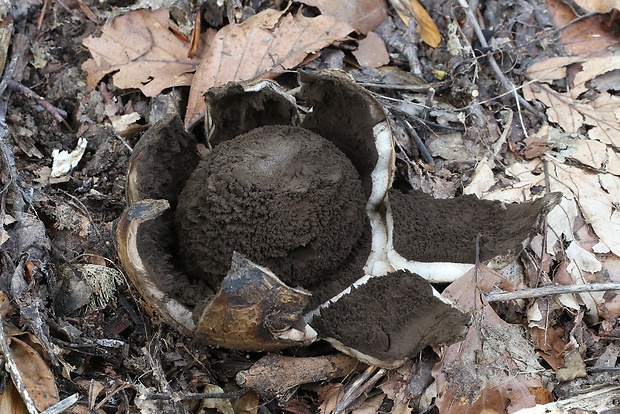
x=550, y=291
x=187, y=396
x=426, y=156
x=409, y=88
x=63, y=405
x=16, y=376
x=363, y=383
x=58, y=114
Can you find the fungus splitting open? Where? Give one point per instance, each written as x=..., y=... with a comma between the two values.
x=289, y=230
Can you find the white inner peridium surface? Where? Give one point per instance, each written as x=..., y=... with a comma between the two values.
x=177, y=311
x=383, y=258
x=434, y=272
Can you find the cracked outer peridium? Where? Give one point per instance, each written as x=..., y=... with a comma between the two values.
x=253, y=308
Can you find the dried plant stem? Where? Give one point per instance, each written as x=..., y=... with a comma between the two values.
x=424, y=153
x=63, y=405
x=363, y=383
x=58, y=114
x=550, y=290
x=186, y=396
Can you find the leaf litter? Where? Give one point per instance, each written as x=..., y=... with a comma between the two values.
x=577, y=154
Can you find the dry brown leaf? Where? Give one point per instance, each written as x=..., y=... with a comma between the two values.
x=265, y=45
x=567, y=108
x=406, y=9
x=5, y=305
x=329, y=396
x=143, y=51
x=549, y=345
x=363, y=15
x=371, y=405
x=11, y=401
x=495, y=367
x=598, y=6
x=584, y=37
x=37, y=377
x=590, y=69
x=371, y=52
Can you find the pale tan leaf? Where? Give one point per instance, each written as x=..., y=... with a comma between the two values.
x=589, y=152
x=363, y=15
x=482, y=180
x=561, y=108
x=566, y=108
x=222, y=405
x=551, y=69
x=265, y=45
x=590, y=69
x=604, y=115
x=143, y=52
x=595, y=194
x=406, y=9
x=371, y=52
x=599, y=6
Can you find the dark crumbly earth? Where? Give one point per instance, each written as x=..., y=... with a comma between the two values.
x=282, y=196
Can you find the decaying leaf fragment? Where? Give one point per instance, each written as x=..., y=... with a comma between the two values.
x=363, y=15
x=596, y=6
x=584, y=36
x=408, y=9
x=27, y=353
x=494, y=368
x=569, y=109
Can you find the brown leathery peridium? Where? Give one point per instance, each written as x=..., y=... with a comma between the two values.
x=289, y=231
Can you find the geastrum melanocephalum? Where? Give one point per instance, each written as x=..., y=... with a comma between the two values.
x=287, y=231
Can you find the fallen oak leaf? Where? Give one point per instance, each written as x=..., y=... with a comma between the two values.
x=35, y=373
x=597, y=6
x=263, y=46
x=143, y=52
x=587, y=37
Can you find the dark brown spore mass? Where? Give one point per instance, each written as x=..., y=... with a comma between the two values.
x=164, y=158
x=391, y=317
x=433, y=230
x=282, y=196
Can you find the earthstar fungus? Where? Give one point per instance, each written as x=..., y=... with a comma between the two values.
x=288, y=230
